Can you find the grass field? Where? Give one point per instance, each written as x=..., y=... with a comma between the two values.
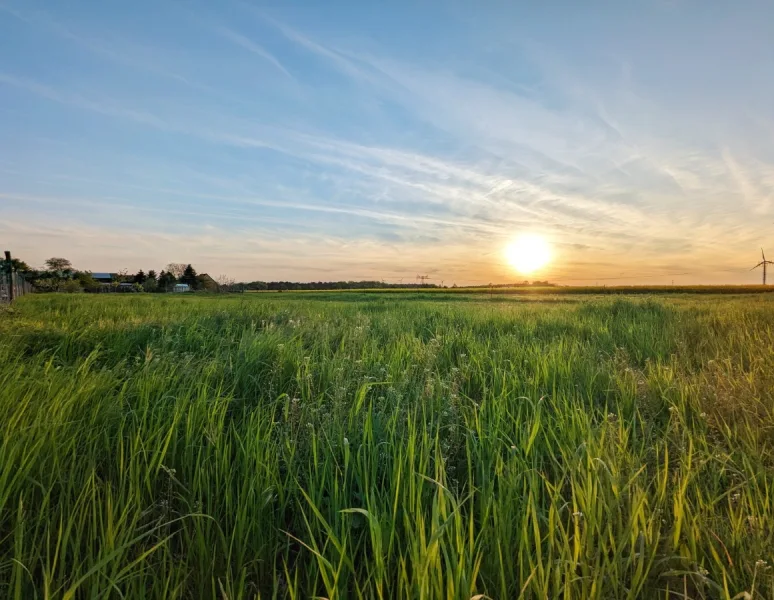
x=387, y=446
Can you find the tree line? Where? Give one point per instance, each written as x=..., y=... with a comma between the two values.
x=58, y=275
x=327, y=285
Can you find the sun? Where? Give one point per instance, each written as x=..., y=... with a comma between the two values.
x=528, y=253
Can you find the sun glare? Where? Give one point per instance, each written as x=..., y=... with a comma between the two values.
x=528, y=253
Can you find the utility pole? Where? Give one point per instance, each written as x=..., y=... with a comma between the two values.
x=763, y=264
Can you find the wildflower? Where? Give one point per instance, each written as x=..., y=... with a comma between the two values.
x=577, y=514
x=513, y=448
x=703, y=415
x=612, y=417
x=761, y=564
x=309, y=425
x=703, y=572
x=672, y=409
x=346, y=442
x=295, y=400
x=735, y=497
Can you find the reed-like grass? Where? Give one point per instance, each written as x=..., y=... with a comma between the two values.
x=291, y=446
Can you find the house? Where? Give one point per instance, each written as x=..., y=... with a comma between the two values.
x=181, y=287
x=207, y=283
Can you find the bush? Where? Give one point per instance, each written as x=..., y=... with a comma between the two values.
x=87, y=282
x=72, y=286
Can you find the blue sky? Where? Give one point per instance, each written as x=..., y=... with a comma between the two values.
x=318, y=141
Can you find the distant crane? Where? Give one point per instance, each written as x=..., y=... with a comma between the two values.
x=763, y=264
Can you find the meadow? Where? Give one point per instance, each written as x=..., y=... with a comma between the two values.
x=353, y=445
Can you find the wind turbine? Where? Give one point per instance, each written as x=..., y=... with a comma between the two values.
x=763, y=264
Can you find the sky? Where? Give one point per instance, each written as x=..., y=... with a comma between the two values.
x=361, y=140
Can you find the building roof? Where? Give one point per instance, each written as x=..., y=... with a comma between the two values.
x=102, y=275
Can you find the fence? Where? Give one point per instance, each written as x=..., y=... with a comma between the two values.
x=12, y=286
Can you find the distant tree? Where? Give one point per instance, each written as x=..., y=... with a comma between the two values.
x=225, y=283
x=58, y=270
x=166, y=280
x=152, y=275
x=189, y=277
x=177, y=269
x=137, y=287
x=17, y=266
x=58, y=264
x=123, y=276
x=140, y=277
x=150, y=285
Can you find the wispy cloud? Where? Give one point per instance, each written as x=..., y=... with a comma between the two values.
x=102, y=106
x=249, y=45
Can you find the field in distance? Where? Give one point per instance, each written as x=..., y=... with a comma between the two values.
x=440, y=444
x=626, y=290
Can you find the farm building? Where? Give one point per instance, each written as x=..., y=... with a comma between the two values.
x=103, y=277
x=207, y=283
x=181, y=287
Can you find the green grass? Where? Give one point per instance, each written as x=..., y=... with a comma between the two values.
x=386, y=446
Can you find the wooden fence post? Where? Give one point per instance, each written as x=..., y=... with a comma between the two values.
x=10, y=275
